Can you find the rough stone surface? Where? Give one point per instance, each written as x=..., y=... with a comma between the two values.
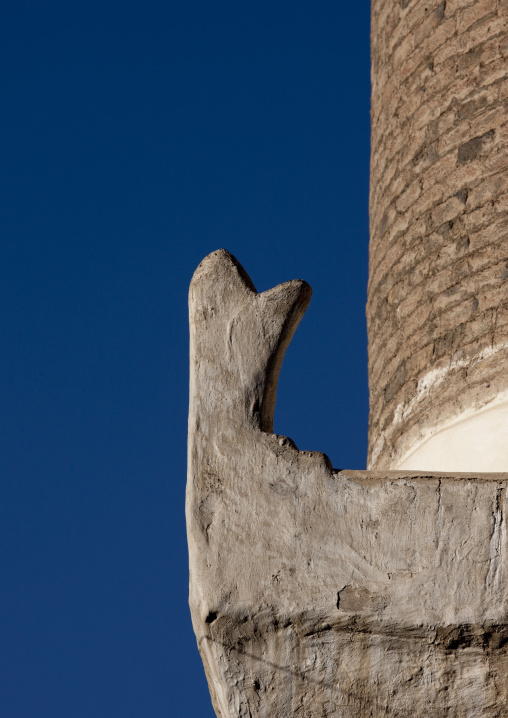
x=317, y=592
x=437, y=301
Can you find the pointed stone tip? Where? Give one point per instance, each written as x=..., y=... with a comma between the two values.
x=296, y=291
x=305, y=290
x=219, y=262
x=221, y=256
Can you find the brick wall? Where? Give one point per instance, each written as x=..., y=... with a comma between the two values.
x=437, y=308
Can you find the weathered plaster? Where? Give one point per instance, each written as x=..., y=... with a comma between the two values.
x=317, y=592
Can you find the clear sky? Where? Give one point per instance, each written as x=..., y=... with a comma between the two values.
x=136, y=139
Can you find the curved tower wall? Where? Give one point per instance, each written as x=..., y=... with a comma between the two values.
x=437, y=308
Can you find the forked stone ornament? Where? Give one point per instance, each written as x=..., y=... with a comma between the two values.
x=316, y=592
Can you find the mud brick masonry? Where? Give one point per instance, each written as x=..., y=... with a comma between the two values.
x=438, y=296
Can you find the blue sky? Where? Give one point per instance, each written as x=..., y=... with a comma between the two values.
x=136, y=139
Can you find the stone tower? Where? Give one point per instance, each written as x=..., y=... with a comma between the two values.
x=437, y=299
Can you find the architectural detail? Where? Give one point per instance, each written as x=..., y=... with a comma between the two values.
x=437, y=302
x=316, y=592
x=319, y=593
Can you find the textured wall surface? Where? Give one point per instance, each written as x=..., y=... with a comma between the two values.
x=437, y=301
x=318, y=593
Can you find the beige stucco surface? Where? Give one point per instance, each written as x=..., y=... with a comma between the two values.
x=316, y=592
